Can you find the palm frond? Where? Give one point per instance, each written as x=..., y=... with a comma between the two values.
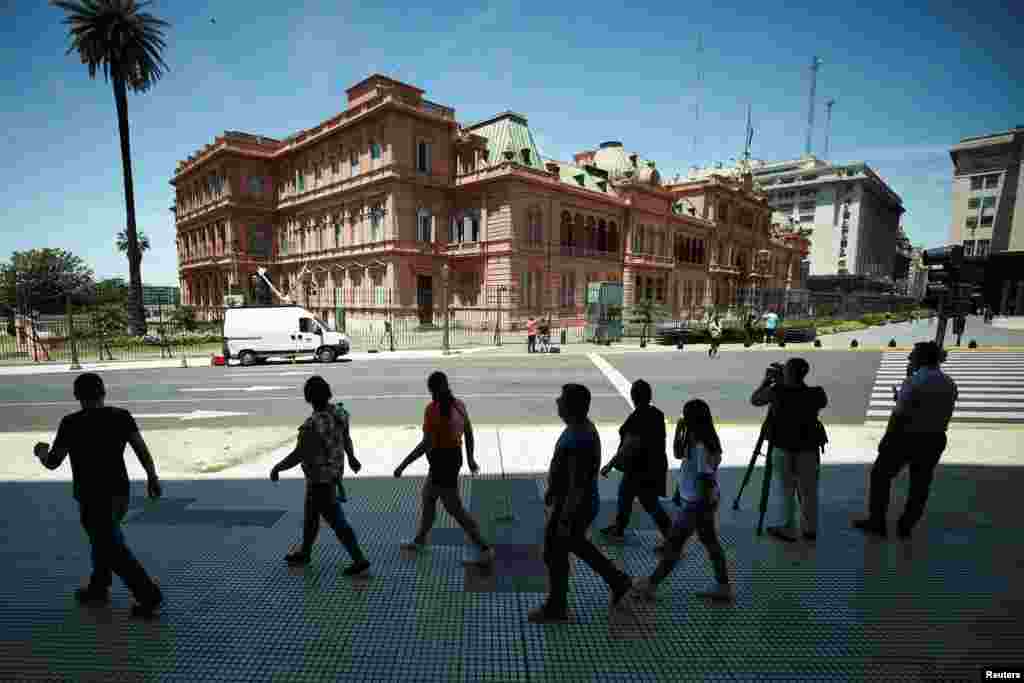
x=115, y=37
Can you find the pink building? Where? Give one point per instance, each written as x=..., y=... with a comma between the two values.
x=366, y=209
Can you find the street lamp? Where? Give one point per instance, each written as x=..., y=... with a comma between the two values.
x=444, y=288
x=497, y=327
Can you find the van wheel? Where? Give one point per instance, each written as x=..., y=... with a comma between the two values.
x=247, y=358
x=325, y=355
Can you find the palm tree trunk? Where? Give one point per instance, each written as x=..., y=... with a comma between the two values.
x=136, y=312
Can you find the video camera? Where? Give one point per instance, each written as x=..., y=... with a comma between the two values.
x=774, y=372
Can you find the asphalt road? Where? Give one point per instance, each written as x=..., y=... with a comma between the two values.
x=512, y=391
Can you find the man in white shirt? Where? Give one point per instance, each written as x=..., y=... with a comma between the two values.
x=771, y=322
x=916, y=436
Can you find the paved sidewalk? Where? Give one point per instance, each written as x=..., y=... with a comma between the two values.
x=940, y=607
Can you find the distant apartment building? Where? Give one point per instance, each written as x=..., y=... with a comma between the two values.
x=986, y=183
x=917, y=275
x=393, y=195
x=849, y=213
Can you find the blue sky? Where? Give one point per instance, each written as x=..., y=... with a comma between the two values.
x=909, y=82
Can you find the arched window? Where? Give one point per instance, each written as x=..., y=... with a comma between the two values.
x=565, y=231
x=602, y=236
x=577, y=231
x=613, y=237
x=590, y=238
x=424, y=223
x=535, y=232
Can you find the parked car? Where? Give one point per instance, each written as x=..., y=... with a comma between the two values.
x=796, y=335
x=150, y=339
x=671, y=332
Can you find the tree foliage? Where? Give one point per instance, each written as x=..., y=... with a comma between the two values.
x=185, y=317
x=122, y=242
x=647, y=312
x=111, y=291
x=108, y=321
x=39, y=279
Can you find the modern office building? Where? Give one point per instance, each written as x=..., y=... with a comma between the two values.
x=393, y=195
x=986, y=184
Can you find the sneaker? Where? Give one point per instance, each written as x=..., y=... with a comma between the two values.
x=357, y=568
x=614, y=534
x=92, y=596
x=148, y=609
x=486, y=559
x=542, y=615
x=781, y=534
x=643, y=589
x=870, y=526
x=721, y=591
x=413, y=545
x=297, y=558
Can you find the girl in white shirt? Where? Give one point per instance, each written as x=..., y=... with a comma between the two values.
x=696, y=443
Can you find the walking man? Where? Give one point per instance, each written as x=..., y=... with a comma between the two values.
x=715, y=329
x=796, y=440
x=915, y=436
x=94, y=438
x=570, y=495
x=771, y=322
x=531, y=335
x=323, y=440
x=643, y=459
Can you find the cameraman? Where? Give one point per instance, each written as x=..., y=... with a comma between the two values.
x=795, y=441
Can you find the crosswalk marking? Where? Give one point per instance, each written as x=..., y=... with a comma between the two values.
x=990, y=385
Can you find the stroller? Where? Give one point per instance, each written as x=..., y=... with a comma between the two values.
x=544, y=338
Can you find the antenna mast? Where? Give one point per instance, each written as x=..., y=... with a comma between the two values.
x=828, y=122
x=749, y=137
x=815, y=63
x=700, y=91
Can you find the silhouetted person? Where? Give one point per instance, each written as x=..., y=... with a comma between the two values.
x=445, y=421
x=696, y=443
x=570, y=495
x=796, y=440
x=644, y=463
x=715, y=330
x=94, y=438
x=323, y=440
x=915, y=436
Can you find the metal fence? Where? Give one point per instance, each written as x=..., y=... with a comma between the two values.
x=40, y=340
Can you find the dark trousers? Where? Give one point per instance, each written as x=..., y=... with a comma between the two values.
x=531, y=343
x=322, y=501
x=101, y=520
x=701, y=520
x=921, y=452
x=556, y=557
x=628, y=490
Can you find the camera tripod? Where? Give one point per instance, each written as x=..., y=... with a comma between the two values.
x=764, y=436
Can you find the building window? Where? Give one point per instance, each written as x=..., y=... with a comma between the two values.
x=376, y=217
x=974, y=202
x=567, y=293
x=374, y=150
x=526, y=157
x=337, y=230
x=423, y=156
x=660, y=292
x=423, y=224
x=353, y=162
x=474, y=225
x=334, y=165
x=968, y=247
x=534, y=228
x=300, y=180
x=976, y=183
x=255, y=184
x=991, y=181
x=982, y=248
x=988, y=202
x=972, y=222
x=986, y=221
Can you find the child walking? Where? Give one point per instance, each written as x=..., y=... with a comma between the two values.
x=696, y=443
x=323, y=439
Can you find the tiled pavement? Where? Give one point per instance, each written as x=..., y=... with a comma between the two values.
x=943, y=606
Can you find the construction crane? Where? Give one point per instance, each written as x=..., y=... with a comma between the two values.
x=815, y=63
x=828, y=122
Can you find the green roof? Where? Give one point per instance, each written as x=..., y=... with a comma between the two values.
x=571, y=175
x=508, y=131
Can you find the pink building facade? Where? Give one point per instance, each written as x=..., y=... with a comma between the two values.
x=389, y=200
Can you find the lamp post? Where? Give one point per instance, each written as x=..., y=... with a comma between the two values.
x=71, y=333
x=497, y=326
x=445, y=349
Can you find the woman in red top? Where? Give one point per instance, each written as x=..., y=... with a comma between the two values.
x=444, y=423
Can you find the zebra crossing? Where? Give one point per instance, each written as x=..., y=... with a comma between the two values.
x=990, y=385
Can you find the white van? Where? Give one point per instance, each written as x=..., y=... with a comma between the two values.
x=253, y=334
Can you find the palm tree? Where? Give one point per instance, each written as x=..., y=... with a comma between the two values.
x=126, y=43
x=122, y=242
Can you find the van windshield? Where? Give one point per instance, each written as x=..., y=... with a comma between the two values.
x=323, y=325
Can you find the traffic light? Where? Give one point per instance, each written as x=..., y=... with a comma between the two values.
x=944, y=265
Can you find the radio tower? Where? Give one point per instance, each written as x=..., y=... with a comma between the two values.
x=700, y=89
x=828, y=122
x=815, y=63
